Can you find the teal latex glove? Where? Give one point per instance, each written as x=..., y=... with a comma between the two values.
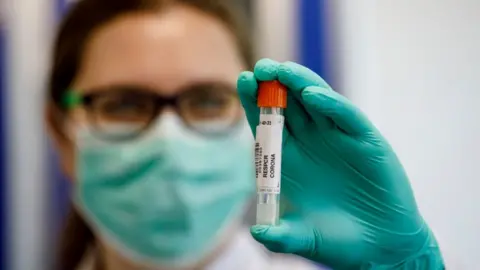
x=350, y=202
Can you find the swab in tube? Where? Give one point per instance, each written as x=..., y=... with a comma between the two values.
x=272, y=100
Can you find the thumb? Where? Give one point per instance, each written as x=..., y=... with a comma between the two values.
x=329, y=238
x=291, y=236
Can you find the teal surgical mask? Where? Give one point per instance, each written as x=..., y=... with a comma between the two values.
x=165, y=198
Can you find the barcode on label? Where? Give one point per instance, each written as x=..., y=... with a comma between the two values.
x=258, y=159
x=269, y=190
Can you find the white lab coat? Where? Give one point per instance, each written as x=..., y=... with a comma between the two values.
x=246, y=254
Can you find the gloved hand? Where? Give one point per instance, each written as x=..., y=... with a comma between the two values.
x=350, y=201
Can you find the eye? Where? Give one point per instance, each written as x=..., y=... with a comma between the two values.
x=124, y=108
x=209, y=103
x=209, y=106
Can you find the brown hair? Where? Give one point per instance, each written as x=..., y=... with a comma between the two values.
x=77, y=27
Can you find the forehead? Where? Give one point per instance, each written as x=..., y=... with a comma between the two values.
x=166, y=51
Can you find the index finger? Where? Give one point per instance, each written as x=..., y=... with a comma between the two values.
x=296, y=77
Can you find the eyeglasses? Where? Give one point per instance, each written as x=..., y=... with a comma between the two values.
x=211, y=109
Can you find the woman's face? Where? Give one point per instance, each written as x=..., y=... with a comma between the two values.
x=165, y=53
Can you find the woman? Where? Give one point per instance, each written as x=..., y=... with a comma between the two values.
x=144, y=112
x=126, y=60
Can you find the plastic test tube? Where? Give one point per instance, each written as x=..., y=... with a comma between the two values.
x=272, y=100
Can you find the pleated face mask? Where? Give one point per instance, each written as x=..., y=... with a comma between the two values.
x=165, y=198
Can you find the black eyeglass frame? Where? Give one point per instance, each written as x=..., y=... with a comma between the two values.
x=73, y=99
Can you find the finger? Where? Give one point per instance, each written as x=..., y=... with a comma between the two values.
x=247, y=91
x=321, y=102
x=291, y=236
x=332, y=239
x=296, y=77
x=296, y=117
x=266, y=69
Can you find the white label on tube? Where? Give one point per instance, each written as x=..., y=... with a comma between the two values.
x=268, y=153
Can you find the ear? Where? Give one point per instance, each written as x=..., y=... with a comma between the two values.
x=54, y=120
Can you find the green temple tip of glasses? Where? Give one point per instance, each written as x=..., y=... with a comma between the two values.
x=71, y=99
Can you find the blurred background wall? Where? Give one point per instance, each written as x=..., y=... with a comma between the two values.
x=3, y=152
x=412, y=66
x=28, y=30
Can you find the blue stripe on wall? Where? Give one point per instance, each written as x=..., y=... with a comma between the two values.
x=3, y=151
x=313, y=24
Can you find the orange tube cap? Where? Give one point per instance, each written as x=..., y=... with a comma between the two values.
x=272, y=94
